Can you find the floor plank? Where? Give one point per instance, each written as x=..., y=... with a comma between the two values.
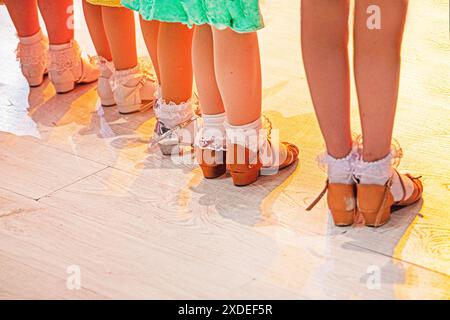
x=34, y=170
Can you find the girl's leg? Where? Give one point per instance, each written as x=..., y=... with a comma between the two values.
x=33, y=46
x=24, y=14
x=377, y=70
x=203, y=62
x=129, y=95
x=94, y=20
x=58, y=18
x=121, y=34
x=175, y=62
x=238, y=74
x=212, y=162
x=325, y=56
x=324, y=37
x=150, y=32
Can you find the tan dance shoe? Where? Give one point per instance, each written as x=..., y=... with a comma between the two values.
x=341, y=199
x=375, y=202
x=245, y=166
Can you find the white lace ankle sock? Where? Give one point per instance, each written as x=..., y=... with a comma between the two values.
x=212, y=132
x=128, y=77
x=171, y=114
x=246, y=135
x=339, y=170
x=38, y=36
x=213, y=125
x=379, y=172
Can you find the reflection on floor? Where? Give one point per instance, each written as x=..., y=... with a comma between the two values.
x=79, y=191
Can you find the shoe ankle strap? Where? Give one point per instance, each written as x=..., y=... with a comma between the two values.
x=318, y=198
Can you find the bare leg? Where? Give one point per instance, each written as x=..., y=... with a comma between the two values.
x=150, y=32
x=94, y=20
x=24, y=14
x=377, y=71
x=175, y=62
x=238, y=74
x=121, y=33
x=325, y=55
x=58, y=18
x=377, y=74
x=203, y=61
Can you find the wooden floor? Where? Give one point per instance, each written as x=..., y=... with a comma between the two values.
x=79, y=188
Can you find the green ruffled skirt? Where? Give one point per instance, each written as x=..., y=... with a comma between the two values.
x=239, y=15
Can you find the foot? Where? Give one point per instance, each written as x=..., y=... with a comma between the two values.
x=340, y=189
x=251, y=153
x=104, y=89
x=376, y=202
x=32, y=54
x=67, y=68
x=133, y=90
x=175, y=126
x=210, y=148
x=381, y=187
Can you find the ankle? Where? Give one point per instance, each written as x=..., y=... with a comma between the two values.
x=339, y=170
x=375, y=172
x=62, y=46
x=171, y=114
x=128, y=77
x=246, y=135
x=105, y=66
x=33, y=39
x=212, y=132
x=65, y=57
x=214, y=122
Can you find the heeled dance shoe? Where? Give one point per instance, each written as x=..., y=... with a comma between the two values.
x=67, y=68
x=210, y=154
x=341, y=200
x=248, y=155
x=133, y=90
x=104, y=89
x=376, y=202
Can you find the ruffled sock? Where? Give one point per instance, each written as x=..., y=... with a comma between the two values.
x=128, y=77
x=247, y=135
x=212, y=133
x=339, y=171
x=379, y=172
x=171, y=114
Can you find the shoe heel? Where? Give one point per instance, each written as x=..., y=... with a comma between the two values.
x=107, y=102
x=212, y=172
x=342, y=218
x=374, y=204
x=376, y=219
x=168, y=149
x=35, y=81
x=342, y=203
x=241, y=179
x=127, y=109
x=64, y=87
